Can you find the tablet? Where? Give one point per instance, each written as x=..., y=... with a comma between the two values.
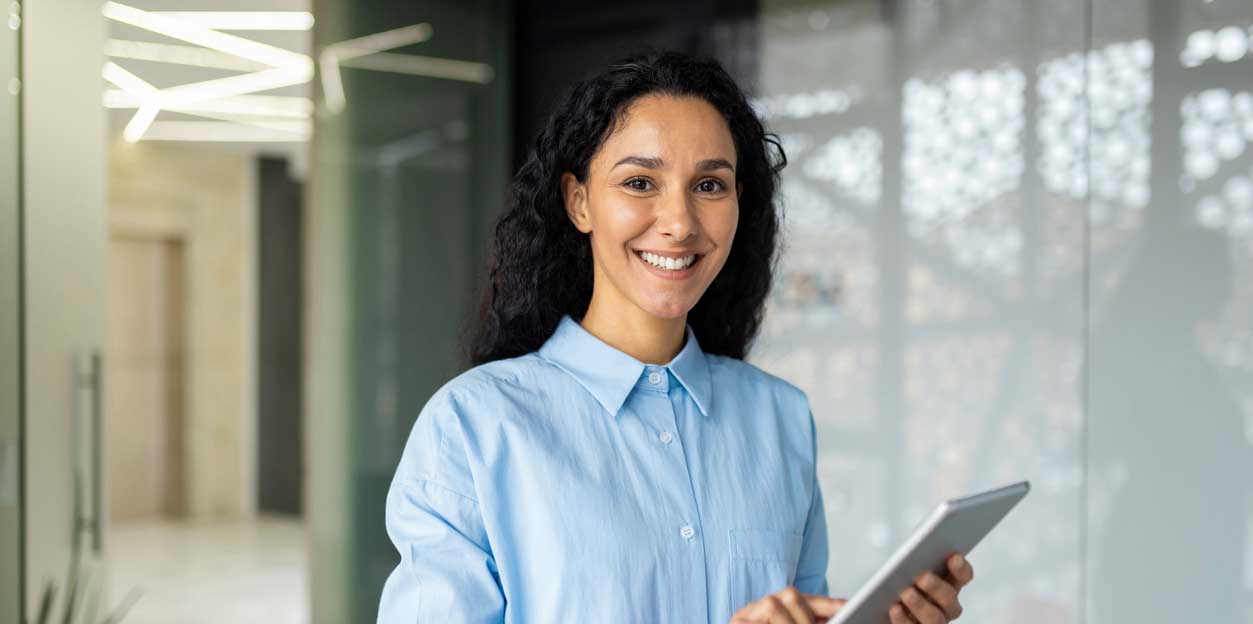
x=955, y=526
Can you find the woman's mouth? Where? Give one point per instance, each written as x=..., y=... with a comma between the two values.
x=668, y=267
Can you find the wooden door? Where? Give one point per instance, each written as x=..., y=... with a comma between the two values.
x=144, y=430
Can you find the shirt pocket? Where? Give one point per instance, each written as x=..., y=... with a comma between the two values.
x=763, y=561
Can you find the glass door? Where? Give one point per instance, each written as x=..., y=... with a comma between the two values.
x=59, y=269
x=10, y=293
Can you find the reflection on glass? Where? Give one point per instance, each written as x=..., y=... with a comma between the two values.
x=930, y=295
x=407, y=167
x=1171, y=389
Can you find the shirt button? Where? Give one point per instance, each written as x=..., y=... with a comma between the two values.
x=687, y=532
x=654, y=378
x=666, y=438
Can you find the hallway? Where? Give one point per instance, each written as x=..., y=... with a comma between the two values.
x=245, y=571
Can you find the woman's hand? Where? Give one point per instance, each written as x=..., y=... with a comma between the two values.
x=788, y=606
x=932, y=599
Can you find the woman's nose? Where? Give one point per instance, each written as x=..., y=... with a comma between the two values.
x=675, y=218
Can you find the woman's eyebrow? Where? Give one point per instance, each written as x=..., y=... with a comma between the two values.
x=643, y=161
x=709, y=164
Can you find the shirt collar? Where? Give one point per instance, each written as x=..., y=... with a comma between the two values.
x=610, y=374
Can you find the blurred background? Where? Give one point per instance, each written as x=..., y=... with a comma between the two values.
x=239, y=242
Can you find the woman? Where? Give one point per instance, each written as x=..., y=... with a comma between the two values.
x=611, y=457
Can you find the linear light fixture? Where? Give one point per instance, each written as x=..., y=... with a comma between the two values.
x=186, y=95
x=466, y=71
x=334, y=54
x=301, y=127
x=128, y=82
x=274, y=106
x=235, y=85
x=233, y=100
x=217, y=131
x=194, y=56
x=138, y=88
x=139, y=123
x=287, y=68
x=244, y=20
x=201, y=36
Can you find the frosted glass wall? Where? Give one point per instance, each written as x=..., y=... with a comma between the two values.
x=1020, y=246
x=1171, y=262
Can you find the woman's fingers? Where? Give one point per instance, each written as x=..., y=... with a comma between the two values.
x=932, y=599
x=771, y=609
x=940, y=592
x=824, y=606
x=898, y=615
x=960, y=571
x=921, y=609
x=789, y=606
x=796, y=605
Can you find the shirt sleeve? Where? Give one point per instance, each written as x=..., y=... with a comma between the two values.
x=446, y=572
x=811, y=571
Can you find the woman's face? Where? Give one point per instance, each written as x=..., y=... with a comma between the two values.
x=661, y=191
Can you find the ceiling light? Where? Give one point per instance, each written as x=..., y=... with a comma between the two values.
x=450, y=69
x=244, y=20
x=332, y=55
x=217, y=131
x=290, y=107
x=199, y=35
x=174, y=54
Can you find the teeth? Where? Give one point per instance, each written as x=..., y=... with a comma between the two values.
x=673, y=264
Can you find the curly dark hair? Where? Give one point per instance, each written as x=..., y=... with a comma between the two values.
x=540, y=266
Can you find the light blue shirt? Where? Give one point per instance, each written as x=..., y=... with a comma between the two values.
x=578, y=484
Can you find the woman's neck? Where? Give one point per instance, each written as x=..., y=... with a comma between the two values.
x=645, y=337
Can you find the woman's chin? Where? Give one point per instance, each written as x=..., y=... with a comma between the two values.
x=668, y=309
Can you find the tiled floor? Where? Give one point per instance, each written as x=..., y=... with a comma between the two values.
x=192, y=573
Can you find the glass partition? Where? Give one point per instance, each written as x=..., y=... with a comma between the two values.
x=1018, y=246
x=931, y=294
x=409, y=163
x=10, y=318
x=1170, y=474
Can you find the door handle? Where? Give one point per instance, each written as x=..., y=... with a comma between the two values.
x=97, y=439
x=92, y=380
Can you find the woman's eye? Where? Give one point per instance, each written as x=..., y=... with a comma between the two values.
x=710, y=186
x=639, y=184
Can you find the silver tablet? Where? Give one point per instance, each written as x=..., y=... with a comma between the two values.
x=955, y=526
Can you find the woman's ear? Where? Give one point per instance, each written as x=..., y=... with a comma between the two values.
x=575, y=195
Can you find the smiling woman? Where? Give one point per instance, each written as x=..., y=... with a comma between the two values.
x=664, y=138
x=660, y=200
x=611, y=457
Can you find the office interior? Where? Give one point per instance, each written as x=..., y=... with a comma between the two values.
x=239, y=242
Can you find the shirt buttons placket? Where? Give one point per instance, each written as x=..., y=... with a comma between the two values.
x=654, y=378
x=687, y=532
x=666, y=437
